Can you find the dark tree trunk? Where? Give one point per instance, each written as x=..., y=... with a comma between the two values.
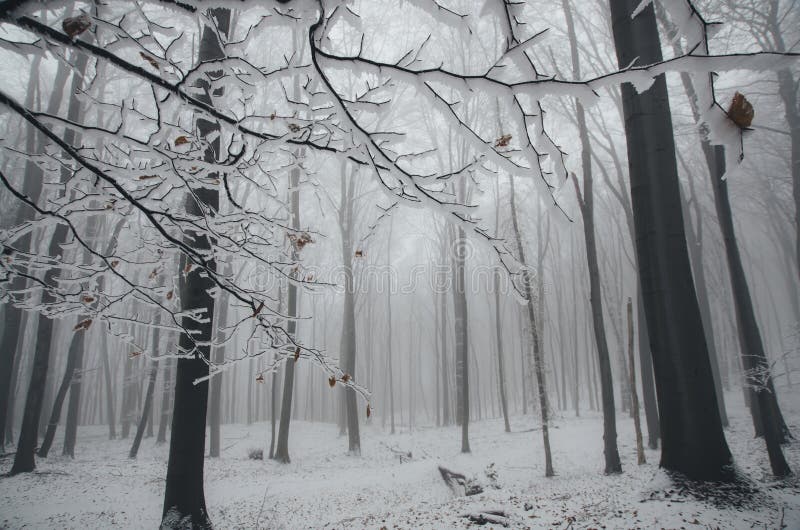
x=692, y=439
x=768, y=416
x=282, y=448
x=166, y=395
x=73, y=406
x=646, y=370
x=112, y=422
x=76, y=344
x=184, y=497
x=148, y=403
x=24, y=460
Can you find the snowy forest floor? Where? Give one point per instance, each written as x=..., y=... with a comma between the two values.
x=324, y=487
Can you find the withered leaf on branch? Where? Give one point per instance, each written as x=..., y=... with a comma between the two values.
x=503, y=141
x=88, y=299
x=83, y=325
x=332, y=381
x=147, y=177
x=181, y=140
x=297, y=354
x=294, y=127
x=741, y=112
x=345, y=378
x=74, y=26
x=170, y=294
x=114, y=264
x=359, y=253
x=260, y=378
x=150, y=60
x=369, y=411
x=135, y=354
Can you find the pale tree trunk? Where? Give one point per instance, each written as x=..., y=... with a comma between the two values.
x=634, y=394
x=534, y=340
x=461, y=322
x=151, y=387
x=612, y=461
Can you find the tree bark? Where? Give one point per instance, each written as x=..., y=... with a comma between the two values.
x=634, y=395
x=692, y=439
x=534, y=340
x=612, y=461
x=184, y=496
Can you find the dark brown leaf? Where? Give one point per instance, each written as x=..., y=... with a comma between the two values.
x=150, y=60
x=74, y=26
x=503, y=141
x=181, y=140
x=741, y=112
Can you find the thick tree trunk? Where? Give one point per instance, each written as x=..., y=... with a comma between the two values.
x=184, y=496
x=215, y=389
x=692, y=439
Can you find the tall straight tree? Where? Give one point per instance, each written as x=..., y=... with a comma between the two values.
x=691, y=429
x=184, y=496
x=533, y=341
x=24, y=460
x=348, y=340
x=586, y=202
x=282, y=447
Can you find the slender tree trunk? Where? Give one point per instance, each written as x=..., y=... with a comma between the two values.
x=612, y=461
x=501, y=373
x=166, y=394
x=215, y=389
x=634, y=395
x=462, y=338
x=76, y=344
x=151, y=387
x=282, y=448
x=691, y=428
x=24, y=458
x=534, y=340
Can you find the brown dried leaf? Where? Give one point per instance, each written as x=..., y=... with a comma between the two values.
x=114, y=264
x=741, y=112
x=297, y=354
x=260, y=378
x=345, y=378
x=134, y=354
x=187, y=269
x=359, y=253
x=83, y=325
x=503, y=141
x=153, y=273
x=331, y=381
x=369, y=411
x=293, y=127
x=181, y=140
x=88, y=299
x=147, y=177
x=74, y=26
x=170, y=294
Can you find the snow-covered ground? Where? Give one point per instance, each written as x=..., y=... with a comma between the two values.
x=324, y=487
